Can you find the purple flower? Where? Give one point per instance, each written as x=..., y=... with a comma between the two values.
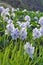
x=15, y=33
x=29, y=49
x=23, y=25
x=1, y=9
x=9, y=21
x=10, y=27
x=7, y=9
x=36, y=33
x=28, y=24
x=41, y=30
x=5, y=14
x=41, y=21
x=27, y=18
x=23, y=34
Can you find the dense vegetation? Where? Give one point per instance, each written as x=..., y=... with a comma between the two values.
x=26, y=48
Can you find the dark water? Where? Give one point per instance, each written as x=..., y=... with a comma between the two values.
x=27, y=4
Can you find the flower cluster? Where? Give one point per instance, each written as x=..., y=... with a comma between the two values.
x=29, y=49
x=23, y=33
x=24, y=24
x=37, y=33
x=19, y=30
x=15, y=32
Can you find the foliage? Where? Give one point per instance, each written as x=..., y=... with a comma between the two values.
x=12, y=51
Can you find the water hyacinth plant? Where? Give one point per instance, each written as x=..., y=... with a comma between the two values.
x=15, y=33
x=36, y=33
x=41, y=21
x=29, y=49
x=21, y=37
x=23, y=34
